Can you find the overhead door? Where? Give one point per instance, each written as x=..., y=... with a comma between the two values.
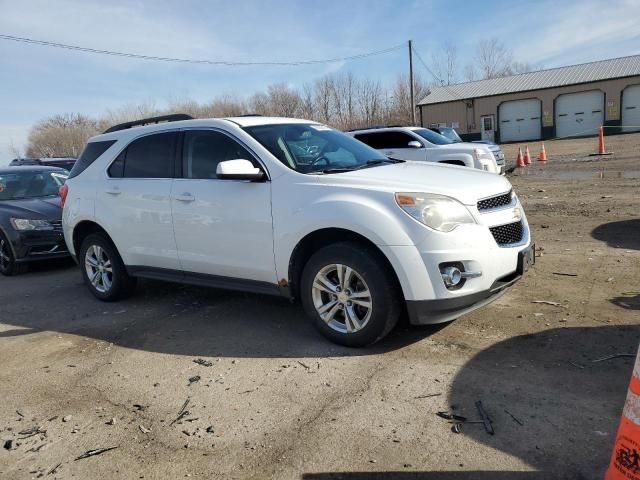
x=520, y=120
x=579, y=114
x=631, y=108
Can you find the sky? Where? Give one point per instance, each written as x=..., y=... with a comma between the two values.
x=37, y=81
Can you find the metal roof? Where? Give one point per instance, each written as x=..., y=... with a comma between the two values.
x=554, y=77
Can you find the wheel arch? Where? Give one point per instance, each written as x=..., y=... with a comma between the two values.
x=84, y=229
x=317, y=239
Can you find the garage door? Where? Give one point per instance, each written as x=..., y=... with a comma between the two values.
x=579, y=113
x=520, y=120
x=631, y=108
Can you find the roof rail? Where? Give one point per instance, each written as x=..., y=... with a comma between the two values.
x=146, y=121
x=249, y=115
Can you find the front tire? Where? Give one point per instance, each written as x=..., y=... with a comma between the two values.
x=8, y=264
x=351, y=294
x=102, y=269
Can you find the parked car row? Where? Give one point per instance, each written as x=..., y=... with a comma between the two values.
x=423, y=144
x=61, y=162
x=293, y=208
x=30, y=216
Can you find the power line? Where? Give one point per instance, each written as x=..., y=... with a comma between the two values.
x=442, y=83
x=77, y=48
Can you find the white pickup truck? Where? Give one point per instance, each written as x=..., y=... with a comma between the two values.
x=422, y=144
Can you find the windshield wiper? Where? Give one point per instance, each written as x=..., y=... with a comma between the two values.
x=380, y=161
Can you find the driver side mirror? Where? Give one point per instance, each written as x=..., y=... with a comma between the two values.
x=414, y=144
x=239, y=170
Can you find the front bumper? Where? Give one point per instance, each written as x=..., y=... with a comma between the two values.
x=33, y=246
x=429, y=312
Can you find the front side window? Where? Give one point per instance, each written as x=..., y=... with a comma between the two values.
x=31, y=184
x=147, y=157
x=203, y=150
x=384, y=140
x=432, y=137
x=313, y=148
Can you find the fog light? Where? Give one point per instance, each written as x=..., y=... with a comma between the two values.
x=451, y=276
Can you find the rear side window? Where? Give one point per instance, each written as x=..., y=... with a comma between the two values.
x=147, y=157
x=383, y=140
x=90, y=154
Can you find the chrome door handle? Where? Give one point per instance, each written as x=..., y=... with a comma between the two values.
x=185, y=197
x=113, y=191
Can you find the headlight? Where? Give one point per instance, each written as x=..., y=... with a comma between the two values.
x=435, y=211
x=28, y=224
x=482, y=154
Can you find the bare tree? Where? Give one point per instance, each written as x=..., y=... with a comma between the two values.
x=307, y=106
x=445, y=63
x=470, y=73
x=369, y=102
x=400, y=111
x=284, y=100
x=323, y=88
x=343, y=90
x=61, y=136
x=493, y=58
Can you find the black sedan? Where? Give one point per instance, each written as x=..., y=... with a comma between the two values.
x=30, y=216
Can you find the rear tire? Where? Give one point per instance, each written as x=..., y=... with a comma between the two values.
x=350, y=293
x=102, y=269
x=8, y=264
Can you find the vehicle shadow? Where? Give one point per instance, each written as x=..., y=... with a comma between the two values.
x=628, y=302
x=484, y=475
x=549, y=403
x=623, y=234
x=178, y=319
x=550, y=406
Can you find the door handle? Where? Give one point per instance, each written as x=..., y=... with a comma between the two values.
x=113, y=191
x=185, y=197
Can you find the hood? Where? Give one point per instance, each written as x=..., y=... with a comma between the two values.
x=41, y=208
x=466, y=185
x=465, y=147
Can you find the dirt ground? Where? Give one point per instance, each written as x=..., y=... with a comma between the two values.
x=272, y=399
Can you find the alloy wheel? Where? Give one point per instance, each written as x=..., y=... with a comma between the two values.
x=342, y=298
x=98, y=267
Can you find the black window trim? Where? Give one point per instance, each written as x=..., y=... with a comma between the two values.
x=130, y=141
x=413, y=136
x=179, y=160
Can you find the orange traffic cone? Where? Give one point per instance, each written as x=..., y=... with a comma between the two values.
x=527, y=156
x=601, y=149
x=543, y=155
x=625, y=458
x=519, y=159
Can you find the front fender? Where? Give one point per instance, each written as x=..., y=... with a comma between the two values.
x=460, y=157
x=374, y=217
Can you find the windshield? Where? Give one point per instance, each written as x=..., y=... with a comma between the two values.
x=30, y=184
x=451, y=134
x=432, y=136
x=309, y=148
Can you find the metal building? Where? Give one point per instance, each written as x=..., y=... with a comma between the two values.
x=558, y=102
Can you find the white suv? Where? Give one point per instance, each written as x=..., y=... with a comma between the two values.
x=422, y=144
x=294, y=208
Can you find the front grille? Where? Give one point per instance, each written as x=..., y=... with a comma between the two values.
x=509, y=233
x=57, y=226
x=495, y=202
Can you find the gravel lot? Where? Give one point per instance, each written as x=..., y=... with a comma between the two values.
x=272, y=399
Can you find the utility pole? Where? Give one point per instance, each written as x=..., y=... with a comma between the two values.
x=413, y=103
